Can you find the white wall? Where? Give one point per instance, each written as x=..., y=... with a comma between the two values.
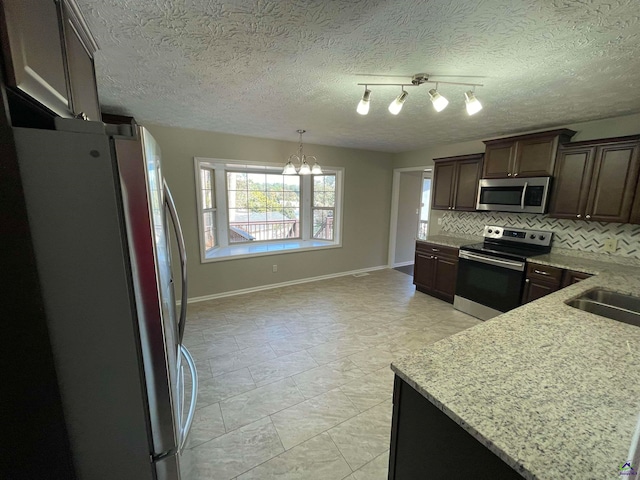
x=367, y=200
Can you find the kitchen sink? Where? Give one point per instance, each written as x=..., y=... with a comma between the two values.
x=613, y=305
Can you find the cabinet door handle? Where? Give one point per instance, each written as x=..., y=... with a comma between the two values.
x=578, y=216
x=508, y=174
x=515, y=174
x=435, y=249
x=527, y=281
x=587, y=217
x=540, y=272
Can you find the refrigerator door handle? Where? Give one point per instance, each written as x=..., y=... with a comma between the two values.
x=171, y=206
x=186, y=427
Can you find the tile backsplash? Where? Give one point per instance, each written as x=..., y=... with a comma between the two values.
x=570, y=234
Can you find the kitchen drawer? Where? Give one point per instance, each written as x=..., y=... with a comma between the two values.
x=545, y=273
x=435, y=249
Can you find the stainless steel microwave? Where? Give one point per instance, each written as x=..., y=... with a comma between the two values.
x=526, y=195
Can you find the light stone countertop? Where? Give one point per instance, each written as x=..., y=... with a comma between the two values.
x=552, y=390
x=456, y=241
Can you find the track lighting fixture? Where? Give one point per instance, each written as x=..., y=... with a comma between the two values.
x=363, y=106
x=397, y=104
x=438, y=101
x=473, y=104
x=290, y=169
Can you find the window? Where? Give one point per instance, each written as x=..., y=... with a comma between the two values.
x=208, y=208
x=263, y=206
x=425, y=207
x=324, y=203
x=252, y=209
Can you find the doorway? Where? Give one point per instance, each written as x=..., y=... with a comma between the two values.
x=410, y=206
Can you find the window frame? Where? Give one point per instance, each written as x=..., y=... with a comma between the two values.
x=224, y=250
x=204, y=210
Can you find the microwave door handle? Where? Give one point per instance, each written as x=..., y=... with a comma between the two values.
x=173, y=213
x=524, y=192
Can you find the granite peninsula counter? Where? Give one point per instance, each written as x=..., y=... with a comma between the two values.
x=552, y=390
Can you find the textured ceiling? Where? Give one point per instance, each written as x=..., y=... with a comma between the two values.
x=266, y=68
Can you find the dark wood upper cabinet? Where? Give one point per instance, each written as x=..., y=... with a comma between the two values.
x=33, y=52
x=530, y=155
x=596, y=180
x=455, y=181
x=48, y=55
x=574, y=167
x=444, y=174
x=82, y=78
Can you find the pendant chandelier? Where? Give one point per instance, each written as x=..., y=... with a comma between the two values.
x=439, y=102
x=301, y=158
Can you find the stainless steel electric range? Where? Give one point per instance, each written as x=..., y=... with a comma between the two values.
x=491, y=274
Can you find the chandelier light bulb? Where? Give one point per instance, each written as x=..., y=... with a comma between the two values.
x=289, y=169
x=439, y=102
x=397, y=104
x=473, y=104
x=363, y=106
x=304, y=168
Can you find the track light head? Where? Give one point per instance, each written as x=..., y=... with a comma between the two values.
x=439, y=102
x=473, y=104
x=396, y=105
x=363, y=106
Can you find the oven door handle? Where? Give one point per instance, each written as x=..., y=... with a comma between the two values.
x=497, y=262
x=524, y=192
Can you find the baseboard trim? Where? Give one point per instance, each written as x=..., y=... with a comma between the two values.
x=233, y=293
x=403, y=264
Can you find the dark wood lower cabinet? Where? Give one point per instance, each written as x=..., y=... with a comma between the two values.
x=435, y=270
x=535, y=289
x=541, y=280
x=426, y=443
x=570, y=277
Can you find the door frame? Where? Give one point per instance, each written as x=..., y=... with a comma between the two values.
x=395, y=200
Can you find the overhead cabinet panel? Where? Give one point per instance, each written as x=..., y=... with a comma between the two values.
x=82, y=79
x=597, y=180
x=531, y=155
x=614, y=181
x=33, y=52
x=467, y=184
x=455, y=182
x=443, y=178
x=498, y=160
x=571, y=183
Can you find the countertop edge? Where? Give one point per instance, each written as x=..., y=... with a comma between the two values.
x=505, y=457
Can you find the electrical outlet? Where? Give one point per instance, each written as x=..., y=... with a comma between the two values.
x=440, y=221
x=610, y=245
x=274, y=269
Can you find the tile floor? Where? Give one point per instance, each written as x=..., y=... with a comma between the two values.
x=295, y=382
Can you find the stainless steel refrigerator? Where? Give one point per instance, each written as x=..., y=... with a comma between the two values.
x=103, y=224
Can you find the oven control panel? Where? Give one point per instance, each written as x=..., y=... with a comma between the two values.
x=518, y=235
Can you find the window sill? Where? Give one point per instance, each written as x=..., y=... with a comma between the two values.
x=247, y=250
